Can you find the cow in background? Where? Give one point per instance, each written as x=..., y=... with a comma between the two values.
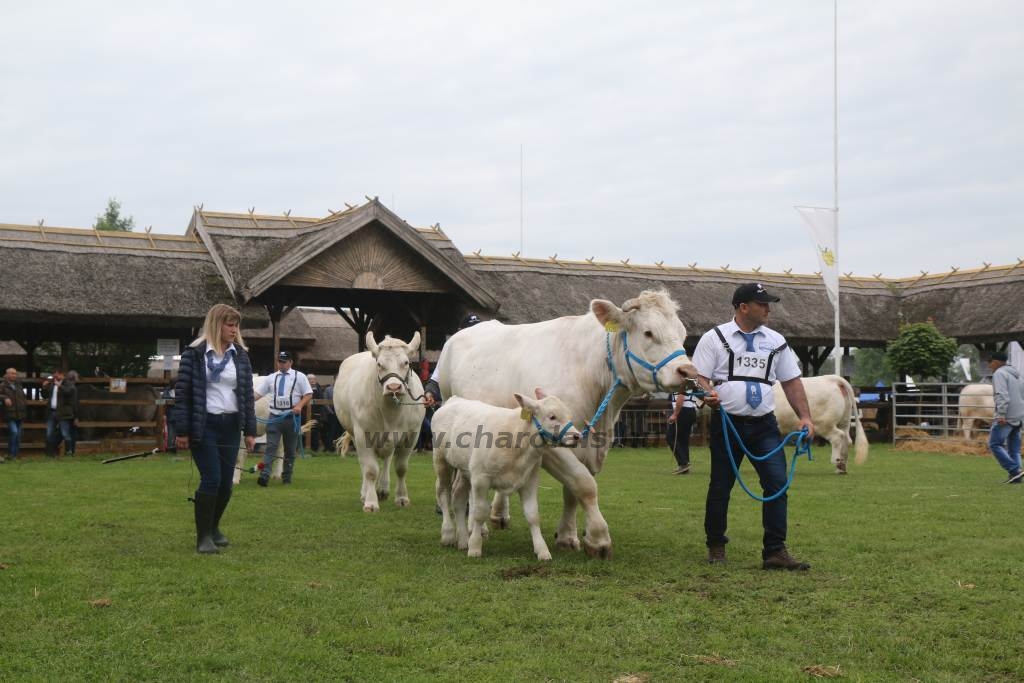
x=377, y=399
x=976, y=402
x=833, y=406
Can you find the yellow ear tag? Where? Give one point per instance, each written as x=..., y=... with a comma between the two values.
x=525, y=414
x=611, y=326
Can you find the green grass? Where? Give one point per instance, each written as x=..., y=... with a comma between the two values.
x=917, y=576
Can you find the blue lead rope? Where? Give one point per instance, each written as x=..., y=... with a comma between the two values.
x=803, y=447
x=281, y=418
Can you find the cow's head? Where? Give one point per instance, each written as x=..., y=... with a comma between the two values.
x=392, y=356
x=551, y=418
x=649, y=327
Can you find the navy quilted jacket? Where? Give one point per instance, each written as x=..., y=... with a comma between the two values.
x=189, y=414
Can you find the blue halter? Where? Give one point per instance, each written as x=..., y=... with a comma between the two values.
x=630, y=357
x=548, y=436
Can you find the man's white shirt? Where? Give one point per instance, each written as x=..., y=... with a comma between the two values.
x=296, y=385
x=712, y=361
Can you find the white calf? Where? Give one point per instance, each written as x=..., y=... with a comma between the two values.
x=509, y=461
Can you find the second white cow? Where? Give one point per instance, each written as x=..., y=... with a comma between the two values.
x=494, y=448
x=976, y=402
x=833, y=406
x=377, y=399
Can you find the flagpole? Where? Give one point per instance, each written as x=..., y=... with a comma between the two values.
x=835, y=165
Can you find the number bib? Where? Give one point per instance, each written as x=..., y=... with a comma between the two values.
x=750, y=366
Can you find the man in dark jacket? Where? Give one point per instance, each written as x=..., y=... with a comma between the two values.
x=61, y=396
x=13, y=408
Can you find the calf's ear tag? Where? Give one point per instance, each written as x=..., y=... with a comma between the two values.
x=525, y=414
x=611, y=326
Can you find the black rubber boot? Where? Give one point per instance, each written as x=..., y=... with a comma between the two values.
x=205, y=509
x=219, y=539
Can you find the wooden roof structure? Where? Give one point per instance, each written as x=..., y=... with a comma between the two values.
x=381, y=273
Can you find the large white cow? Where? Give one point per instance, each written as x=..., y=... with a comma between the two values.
x=833, y=406
x=373, y=402
x=579, y=359
x=976, y=402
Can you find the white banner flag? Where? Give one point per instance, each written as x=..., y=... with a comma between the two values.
x=822, y=223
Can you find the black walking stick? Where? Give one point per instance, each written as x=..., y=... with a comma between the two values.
x=131, y=456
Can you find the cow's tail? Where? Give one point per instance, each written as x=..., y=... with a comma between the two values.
x=860, y=442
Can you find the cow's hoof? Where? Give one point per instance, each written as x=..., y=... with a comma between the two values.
x=447, y=541
x=501, y=522
x=382, y=495
x=602, y=552
x=567, y=543
x=544, y=556
x=403, y=502
x=475, y=553
x=371, y=508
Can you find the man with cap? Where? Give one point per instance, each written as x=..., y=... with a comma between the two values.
x=290, y=392
x=737, y=363
x=1004, y=438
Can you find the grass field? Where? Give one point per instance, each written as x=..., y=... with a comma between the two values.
x=918, y=565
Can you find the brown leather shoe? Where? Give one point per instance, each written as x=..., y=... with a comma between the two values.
x=781, y=559
x=716, y=554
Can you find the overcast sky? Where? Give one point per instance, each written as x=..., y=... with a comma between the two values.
x=675, y=131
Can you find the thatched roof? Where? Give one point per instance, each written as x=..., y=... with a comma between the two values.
x=83, y=284
x=535, y=289
x=98, y=285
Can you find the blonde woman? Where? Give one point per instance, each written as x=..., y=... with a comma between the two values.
x=213, y=405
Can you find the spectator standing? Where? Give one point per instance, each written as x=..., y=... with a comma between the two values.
x=680, y=426
x=290, y=392
x=332, y=430
x=61, y=396
x=1004, y=437
x=14, y=408
x=316, y=435
x=213, y=405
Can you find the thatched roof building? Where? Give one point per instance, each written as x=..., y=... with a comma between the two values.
x=369, y=266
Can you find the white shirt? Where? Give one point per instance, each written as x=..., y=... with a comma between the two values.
x=220, y=395
x=712, y=361
x=296, y=385
x=687, y=401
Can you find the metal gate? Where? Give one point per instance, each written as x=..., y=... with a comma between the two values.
x=925, y=411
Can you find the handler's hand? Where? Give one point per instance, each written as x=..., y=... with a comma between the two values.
x=711, y=398
x=428, y=400
x=181, y=442
x=806, y=422
x=250, y=443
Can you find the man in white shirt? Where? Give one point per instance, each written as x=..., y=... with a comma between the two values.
x=737, y=364
x=290, y=392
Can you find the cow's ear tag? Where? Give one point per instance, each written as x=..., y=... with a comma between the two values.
x=525, y=414
x=611, y=326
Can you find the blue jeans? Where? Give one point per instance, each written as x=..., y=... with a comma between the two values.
x=278, y=432
x=216, y=452
x=13, y=438
x=57, y=431
x=1004, y=442
x=760, y=436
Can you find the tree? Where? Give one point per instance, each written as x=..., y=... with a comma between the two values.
x=111, y=219
x=921, y=351
x=871, y=368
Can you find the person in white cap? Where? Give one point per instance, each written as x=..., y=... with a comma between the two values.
x=290, y=392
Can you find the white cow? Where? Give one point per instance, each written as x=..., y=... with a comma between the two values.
x=262, y=409
x=373, y=398
x=976, y=402
x=570, y=356
x=494, y=448
x=833, y=406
